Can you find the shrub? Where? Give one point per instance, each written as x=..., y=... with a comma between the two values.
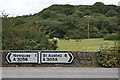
x=112, y=36
x=54, y=44
x=108, y=56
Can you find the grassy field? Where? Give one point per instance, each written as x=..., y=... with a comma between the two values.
x=85, y=44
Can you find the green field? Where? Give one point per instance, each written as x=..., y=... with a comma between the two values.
x=85, y=44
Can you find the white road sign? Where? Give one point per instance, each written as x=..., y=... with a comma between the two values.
x=56, y=57
x=22, y=57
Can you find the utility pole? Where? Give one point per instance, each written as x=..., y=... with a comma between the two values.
x=88, y=30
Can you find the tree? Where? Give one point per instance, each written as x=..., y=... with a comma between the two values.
x=45, y=14
x=4, y=15
x=111, y=13
x=19, y=22
x=24, y=38
x=94, y=32
x=78, y=14
x=99, y=7
x=113, y=36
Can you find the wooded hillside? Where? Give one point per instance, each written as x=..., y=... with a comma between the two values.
x=33, y=31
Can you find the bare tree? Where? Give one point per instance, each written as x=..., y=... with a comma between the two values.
x=3, y=14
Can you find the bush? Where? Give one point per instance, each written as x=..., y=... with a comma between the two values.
x=78, y=36
x=25, y=38
x=54, y=44
x=108, y=56
x=112, y=36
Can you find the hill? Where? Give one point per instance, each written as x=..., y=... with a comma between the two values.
x=60, y=21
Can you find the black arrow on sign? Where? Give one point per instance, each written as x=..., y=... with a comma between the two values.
x=71, y=57
x=8, y=57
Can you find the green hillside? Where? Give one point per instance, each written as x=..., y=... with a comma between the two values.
x=34, y=31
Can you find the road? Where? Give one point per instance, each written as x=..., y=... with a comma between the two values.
x=58, y=72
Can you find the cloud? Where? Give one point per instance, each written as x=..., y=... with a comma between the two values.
x=22, y=7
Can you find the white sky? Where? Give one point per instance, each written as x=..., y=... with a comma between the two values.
x=25, y=7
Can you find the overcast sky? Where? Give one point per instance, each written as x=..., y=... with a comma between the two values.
x=25, y=7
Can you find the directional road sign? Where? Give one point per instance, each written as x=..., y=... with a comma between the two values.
x=39, y=57
x=56, y=57
x=22, y=57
